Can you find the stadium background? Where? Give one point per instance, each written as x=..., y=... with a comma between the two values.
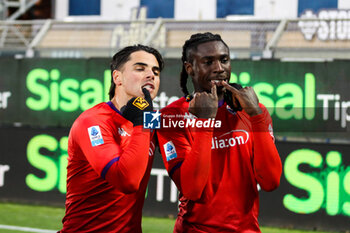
x=54, y=64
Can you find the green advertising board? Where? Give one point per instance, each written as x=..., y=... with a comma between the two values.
x=304, y=99
x=314, y=191
x=40, y=99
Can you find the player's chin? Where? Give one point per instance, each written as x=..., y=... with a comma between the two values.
x=220, y=90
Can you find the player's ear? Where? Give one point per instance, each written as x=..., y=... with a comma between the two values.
x=117, y=77
x=189, y=68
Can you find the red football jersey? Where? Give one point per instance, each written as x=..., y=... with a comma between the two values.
x=237, y=156
x=109, y=166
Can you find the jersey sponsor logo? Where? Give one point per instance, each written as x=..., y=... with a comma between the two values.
x=170, y=151
x=140, y=103
x=95, y=135
x=230, y=139
x=122, y=132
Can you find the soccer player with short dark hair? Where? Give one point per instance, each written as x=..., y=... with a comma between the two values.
x=218, y=170
x=110, y=155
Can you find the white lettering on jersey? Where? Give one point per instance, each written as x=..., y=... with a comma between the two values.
x=122, y=132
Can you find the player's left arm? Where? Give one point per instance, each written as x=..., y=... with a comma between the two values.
x=266, y=160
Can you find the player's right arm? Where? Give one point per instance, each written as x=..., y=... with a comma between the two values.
x=187, y=152
x=124, y=169
x=187, y=158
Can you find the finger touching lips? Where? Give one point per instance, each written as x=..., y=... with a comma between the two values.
x=148, y=86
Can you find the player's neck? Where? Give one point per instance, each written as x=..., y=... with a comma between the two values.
x=115, y=103
x=119, y=101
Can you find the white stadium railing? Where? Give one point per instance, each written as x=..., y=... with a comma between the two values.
x=293, y=39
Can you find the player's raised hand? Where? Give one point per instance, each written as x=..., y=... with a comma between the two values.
x=246, y=97
x=204, y=105
x=133, y=110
